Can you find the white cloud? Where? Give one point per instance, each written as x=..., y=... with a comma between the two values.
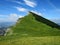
x=30, y=3
x=13, y=17
x=21, y=16
x=36, y=12
x=17, y=2
x=10, y=18
x=21, y=9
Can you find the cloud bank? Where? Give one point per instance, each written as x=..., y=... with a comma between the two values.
x=10, y=18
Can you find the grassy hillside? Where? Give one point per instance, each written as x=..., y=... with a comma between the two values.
x=46, y=21
x=29, y=26
x=31, y=31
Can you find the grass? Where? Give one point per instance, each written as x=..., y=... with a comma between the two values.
x=30, y=31
x=32, y=27
x=47, y=40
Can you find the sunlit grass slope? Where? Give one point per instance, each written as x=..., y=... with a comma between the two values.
x=32, y=31
x=48, y=40
x=30, y=26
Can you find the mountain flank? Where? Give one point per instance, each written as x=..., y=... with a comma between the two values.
x=46, y=21
x=32, y=29
x=35, y=25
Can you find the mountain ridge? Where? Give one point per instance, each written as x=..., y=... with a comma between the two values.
x=32, y=25
x=29, y=31
x=46, y=21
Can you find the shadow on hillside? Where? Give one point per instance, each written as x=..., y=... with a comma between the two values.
x=46, y=21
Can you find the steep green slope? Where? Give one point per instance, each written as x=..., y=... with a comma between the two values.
x=30, y=26
x=46, y=21
x=32, y=30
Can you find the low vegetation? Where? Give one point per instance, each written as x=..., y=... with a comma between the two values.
x=30, y=31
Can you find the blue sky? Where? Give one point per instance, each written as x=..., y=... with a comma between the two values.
x=11, y=10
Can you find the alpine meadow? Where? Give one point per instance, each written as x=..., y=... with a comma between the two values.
x=32, y=29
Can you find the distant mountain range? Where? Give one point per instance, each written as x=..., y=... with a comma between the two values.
x=5, y=25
